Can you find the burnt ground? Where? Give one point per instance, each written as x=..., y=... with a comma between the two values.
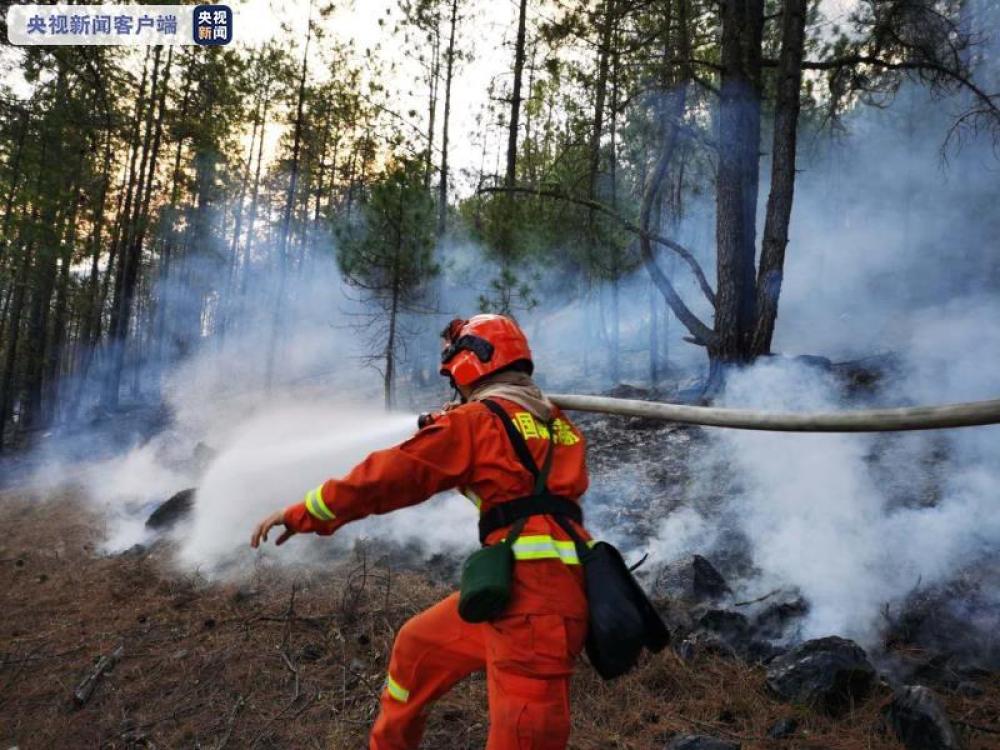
x=296, y=659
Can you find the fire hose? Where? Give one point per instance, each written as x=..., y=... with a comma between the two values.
x=967, y=414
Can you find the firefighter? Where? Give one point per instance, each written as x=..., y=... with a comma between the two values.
x=530, y=650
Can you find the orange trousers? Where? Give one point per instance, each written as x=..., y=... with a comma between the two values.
x=528, y=661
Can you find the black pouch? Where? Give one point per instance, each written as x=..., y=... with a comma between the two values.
x=486, y=580
x=622, y=621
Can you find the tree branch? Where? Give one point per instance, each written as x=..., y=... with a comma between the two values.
x=925, y=66
x=650, y=193
x=602, y=208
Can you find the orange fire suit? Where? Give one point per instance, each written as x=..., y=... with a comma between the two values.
x=530, y=652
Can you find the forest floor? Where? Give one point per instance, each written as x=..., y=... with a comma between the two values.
x=297, y=660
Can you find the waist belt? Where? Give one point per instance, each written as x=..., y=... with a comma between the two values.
x=511, y=511
x=540, y=503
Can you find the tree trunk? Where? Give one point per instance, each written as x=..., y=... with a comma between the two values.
x=449, y=72
x=515, y=100
x=142, y=222
x=286, y=221
x=232, y=285
x=55, y=354
x=166, y=254
x=737, y=179
x=603, y=64
x=616, y=330
x=390, y=351
x=121, y=304
x=779, y=201
x=10, y=354
x=255, y=194
x=321, y=168
x=433, y=80
x=42, y=286
x=654, y=338
x=390, y=346
x=87, y=340
x=54, y=360
x=15, y=170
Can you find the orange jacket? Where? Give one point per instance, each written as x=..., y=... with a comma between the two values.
x=466, y=448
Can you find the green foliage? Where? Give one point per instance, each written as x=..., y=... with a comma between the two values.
x=390, y=253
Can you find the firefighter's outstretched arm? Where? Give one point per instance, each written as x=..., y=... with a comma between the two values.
x=436, y=458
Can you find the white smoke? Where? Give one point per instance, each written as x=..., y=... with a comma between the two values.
x=841, y=516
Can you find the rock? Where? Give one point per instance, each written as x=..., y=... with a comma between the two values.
x=862, y=376
x=829, y=674
x=919, y=721
x=784, y=728
x=312, y=652
x=772, y=620
x=647, y=423
x=700, y=742
x=693, y=579
x=701, y=643
x=969, y=689
x=730, y=625
x=942, y=635
x=724, y=631
x=173, y=510
x=625, y=390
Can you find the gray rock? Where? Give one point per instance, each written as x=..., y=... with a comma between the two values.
x=784, y=728
x=772, y=620
x=172, y=511
x=693, y=579
x=919, y=720
x=829, y=674
x=728, y=632
x=136, y=551
x=969, y=689
x=700, y=742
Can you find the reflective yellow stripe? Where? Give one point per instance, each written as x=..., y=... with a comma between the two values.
x=396, y=690
x=543, y=547
x=316, y=507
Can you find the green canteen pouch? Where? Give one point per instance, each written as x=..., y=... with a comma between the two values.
x=486, y=580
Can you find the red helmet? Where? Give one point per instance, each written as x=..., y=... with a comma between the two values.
x=482, y=345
